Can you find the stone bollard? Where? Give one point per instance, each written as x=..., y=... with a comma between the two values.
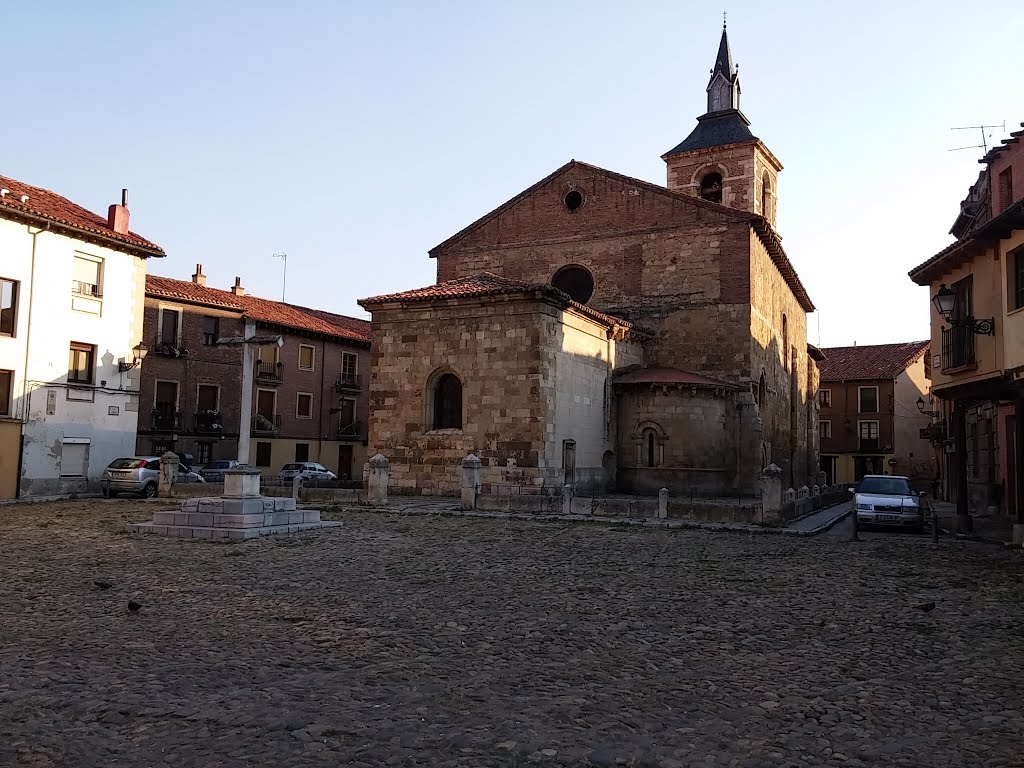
x=771, y=492
x=567, y=499
x=296, y=486
x=663, y=503
x=377, y=485
x=168, y=471
x=470, y=481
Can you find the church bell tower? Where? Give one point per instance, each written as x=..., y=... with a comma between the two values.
x=721, y=160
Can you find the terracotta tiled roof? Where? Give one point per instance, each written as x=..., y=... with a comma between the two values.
x=490, y=284
x=878, y=361
x=484, y=284
x=669, y=376
x=261, y=310
x=44, y=204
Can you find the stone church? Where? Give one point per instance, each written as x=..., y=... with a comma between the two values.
x=610, y=333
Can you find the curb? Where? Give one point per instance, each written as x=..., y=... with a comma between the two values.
x=825, y=526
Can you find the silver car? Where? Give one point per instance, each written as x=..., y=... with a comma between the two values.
x=214, y=471
x=888, y=500
x=140, y=474
x=309, y=470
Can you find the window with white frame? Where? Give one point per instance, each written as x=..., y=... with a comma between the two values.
x=825, y=398
x=304, y=405
x=74, y=458
x=87, y=276
x=8, y=306
x=349, y=367
x=169, y=329
x=825, y=429
x=867, y=399
x=307, y=354
x=867, y=431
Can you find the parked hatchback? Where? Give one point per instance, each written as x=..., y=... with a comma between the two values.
x=888, y=500
x=308, y=470
x=140, y=474
x=214, y=471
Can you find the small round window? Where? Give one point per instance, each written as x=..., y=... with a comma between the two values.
x=575, y=281
x=573, y=200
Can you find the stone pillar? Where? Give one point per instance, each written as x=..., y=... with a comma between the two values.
x=663, y=503
x=168, y=471
x=242, y=482
x=567, y=499
x=377, y=486
x=771, y=491
x=296, y=486
x=470, y=481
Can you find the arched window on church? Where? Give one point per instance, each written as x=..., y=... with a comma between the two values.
x=711, y=187
x=650, y=446
x=766, y=196
x=785, y=343
x=762, y=391
x=652, y=460
x=447, y=403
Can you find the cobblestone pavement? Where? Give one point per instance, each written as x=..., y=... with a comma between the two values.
x=439, y=641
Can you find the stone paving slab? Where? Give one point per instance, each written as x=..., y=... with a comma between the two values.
x=466, y=642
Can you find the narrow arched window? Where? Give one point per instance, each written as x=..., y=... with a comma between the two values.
x=761, y=391
x=785, y=343
x=652, y=459
x=766, y=196
x=448, y=402
x=711, y=187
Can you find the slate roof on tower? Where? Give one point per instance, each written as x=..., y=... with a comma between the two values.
x=716, y=129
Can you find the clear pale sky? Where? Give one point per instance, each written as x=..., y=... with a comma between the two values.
x=356, y=136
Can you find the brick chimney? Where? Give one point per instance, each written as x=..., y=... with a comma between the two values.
x=117, y=215
x=199, y=278
x=238, y=290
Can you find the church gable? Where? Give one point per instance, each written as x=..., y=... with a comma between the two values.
x=583, y=201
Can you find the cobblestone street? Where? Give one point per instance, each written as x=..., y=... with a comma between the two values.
x=444, y=641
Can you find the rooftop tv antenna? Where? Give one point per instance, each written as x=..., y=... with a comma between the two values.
x=284, y=277
x=984, y=139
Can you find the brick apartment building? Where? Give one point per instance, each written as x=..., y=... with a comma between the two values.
x=869, y=419
x=308, y=396
x=606, y=332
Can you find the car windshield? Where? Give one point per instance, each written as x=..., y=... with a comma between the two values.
x=292, y=467
x=127, y=463
x=894, y=486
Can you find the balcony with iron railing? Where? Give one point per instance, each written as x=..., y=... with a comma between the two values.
x=958, y=346
x=208, y=422
x=348, y=383
x=269, y=373
x=168, y=345
x=264, y=424
x=349, y=431
x=81, y=288
x=166, y=418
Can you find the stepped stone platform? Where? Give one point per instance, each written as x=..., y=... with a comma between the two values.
x=241, y=513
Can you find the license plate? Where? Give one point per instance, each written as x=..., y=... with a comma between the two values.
x=887, y=518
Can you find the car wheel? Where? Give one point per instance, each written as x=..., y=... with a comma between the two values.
x=149, y=491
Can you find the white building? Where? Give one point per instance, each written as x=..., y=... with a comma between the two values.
x=72, y=289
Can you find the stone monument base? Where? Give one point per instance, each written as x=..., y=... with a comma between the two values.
x=232, y=519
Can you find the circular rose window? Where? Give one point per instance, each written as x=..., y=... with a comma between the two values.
x=575, y=281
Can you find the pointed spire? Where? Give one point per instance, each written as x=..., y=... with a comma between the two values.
x=724, y=85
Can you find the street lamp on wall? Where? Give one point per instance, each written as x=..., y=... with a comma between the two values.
x=945, y=301
x=924, y=411
x=140, y=355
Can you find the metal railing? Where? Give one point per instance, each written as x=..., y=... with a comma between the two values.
x=166, y=418
x=85, y=289
x=958, y=345
x=208, y=422
x=348, y=383
x=349, y=430
x=268, y=372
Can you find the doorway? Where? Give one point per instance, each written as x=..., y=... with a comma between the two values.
x=345, y=463
x=569, y=461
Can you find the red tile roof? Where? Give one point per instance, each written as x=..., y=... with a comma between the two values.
x=669, y=376
x=484, y=284
x=262, y=310
x=878, y=361
x=490, y=284
x=44, y=204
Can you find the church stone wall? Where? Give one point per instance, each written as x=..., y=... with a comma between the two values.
x=695, y=429
x=785, y=408
x=495, y=348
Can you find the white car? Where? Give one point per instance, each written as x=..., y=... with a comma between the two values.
x=888, y=500
x=308, y=470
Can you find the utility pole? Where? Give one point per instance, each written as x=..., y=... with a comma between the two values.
x=284, y=278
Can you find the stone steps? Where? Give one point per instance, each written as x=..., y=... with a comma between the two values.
x=229, y=534
x=228, y=520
